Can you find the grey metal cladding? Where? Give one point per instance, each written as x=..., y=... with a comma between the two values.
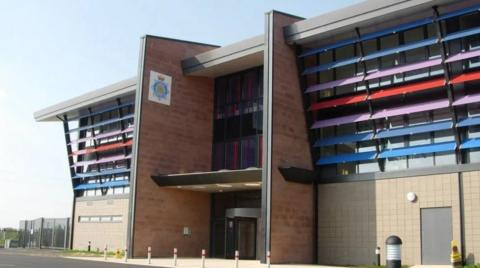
x=223, y=54
x=353, y=16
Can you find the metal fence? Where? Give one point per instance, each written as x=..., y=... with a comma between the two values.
x=45, y=233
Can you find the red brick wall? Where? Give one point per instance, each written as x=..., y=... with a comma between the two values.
x=292, y=203
x=173, y=139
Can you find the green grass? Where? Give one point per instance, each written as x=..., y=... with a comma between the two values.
x=8, y=234
x=85, y=253
x=472, y=266
x=375, y=266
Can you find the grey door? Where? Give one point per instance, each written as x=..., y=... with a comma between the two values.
x=436, y=235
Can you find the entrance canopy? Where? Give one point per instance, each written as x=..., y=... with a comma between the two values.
x=213, y=181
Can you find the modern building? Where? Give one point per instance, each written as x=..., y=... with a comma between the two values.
x=315, y=141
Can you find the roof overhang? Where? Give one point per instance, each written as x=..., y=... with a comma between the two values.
x=228, y=59
x=298, y=175
x=363, y=14
x=73, y=107
x=213, y=181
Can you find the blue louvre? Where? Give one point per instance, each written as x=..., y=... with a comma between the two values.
x=470, y=121
x=461, y=34
x=115, y=183
x=388, y=31
x=331, y=65
x=397, y=132
x=470, y=143
x=344, y=158
x=460, y=12
x=106, y=122
x=421, y=149
x=344, y=139
x=402, y=48
x=401, y=27
x=328, y=47
x=101, y=173
x=90, y=186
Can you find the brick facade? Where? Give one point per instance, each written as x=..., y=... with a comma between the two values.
x=292, y=203
x=100, y=234
x=173, y=139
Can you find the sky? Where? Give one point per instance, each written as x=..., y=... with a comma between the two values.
x=51, y=51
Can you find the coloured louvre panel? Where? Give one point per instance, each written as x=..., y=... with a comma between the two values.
x=102, y=148
x=103, y=135
x=399, y=49
x=467, y=99
x=338, y=102
x=90, y=186
x=116, y=183
x=397, y=132
x=344, y=139
x=459, y=12
x=106, y=172
x=342, y=43
x=421, y=149
x=404, y=68
x=336, y=83
x=466, y=77
x=368, y=36
x=461, y=34
x=470, y=121
x=396, y=29
x=420, y=86
x=331, y=65
x=463, y=56
x=420, y=107
x=345, y=158
x=106, y=122
x=101, y=111
x=470, y=143
x=102, y=160
x=341, y=120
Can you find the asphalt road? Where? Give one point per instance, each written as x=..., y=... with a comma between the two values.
x=11, y=258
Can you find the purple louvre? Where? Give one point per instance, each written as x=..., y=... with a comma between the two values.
x=404, y=68
x=401, y=110
x=420, y=107
x=467, y=99
x=341, y=120
x=102, y=160
x=336, y=83
x=463, y=56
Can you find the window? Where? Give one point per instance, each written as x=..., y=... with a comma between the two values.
x=100, y=219
x=238, y=120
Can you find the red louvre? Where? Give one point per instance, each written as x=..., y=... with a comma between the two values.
x=338, y=102
x=407, y=89
x=465, y=78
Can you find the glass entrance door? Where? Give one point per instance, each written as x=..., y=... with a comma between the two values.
x=241, y=235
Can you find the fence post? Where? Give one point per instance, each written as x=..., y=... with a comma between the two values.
x=203, y=258
x=268, y=259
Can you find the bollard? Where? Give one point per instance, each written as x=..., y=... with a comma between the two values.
x=149, y=255
x=237, y=257
x=394, y=254
x=175, y=257
x=203, y=258
x=89, y=245
x=126, y=254
x=105, y=252
x=268, y=259
x=455, y=256
x=377, y=253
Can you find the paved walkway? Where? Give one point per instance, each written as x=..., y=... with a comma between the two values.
x=197, y=263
